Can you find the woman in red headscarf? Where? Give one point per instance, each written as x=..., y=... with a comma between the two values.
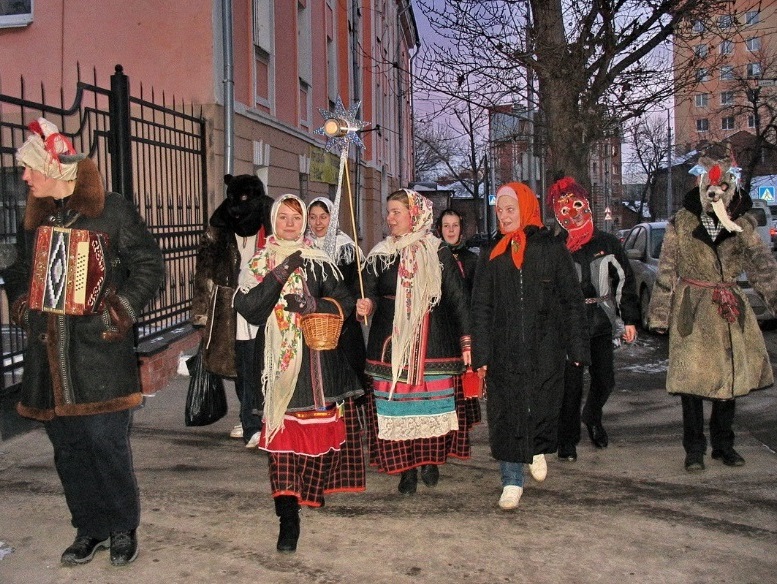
x=528, y=315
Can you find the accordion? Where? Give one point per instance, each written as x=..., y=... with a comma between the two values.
x=69, y=271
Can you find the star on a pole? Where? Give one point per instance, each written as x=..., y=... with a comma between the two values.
x=341, y=126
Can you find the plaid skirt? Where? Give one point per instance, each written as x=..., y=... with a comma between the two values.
x=396, y=456
x=309, y=478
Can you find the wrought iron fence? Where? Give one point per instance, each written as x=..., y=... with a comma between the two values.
x=150, y=150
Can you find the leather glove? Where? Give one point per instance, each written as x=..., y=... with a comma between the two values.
x=119, y=316
x=302, y=303
x=19, y=310
x=287, y=266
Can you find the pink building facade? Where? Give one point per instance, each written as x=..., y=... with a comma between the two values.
x=290, y=58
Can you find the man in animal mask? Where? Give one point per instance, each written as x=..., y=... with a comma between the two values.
x=716, y=349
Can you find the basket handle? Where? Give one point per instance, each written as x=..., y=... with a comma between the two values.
x=336, y=303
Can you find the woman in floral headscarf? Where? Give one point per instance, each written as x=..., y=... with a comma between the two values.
x=419, y=341
x=528, y=315
x=310, y=428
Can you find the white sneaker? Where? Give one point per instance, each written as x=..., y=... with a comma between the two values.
x=254, y=441
x=538, y=468
x=236, y=432
x=510, y=497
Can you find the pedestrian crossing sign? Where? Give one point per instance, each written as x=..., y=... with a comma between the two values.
x=766, y=193
x=492, y=200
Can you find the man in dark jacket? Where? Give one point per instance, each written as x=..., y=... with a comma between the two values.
x=612, y=311
x=80, y=369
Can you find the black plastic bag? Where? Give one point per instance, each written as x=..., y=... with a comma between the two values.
x=206, y=401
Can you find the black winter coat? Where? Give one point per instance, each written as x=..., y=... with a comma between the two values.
x=526, y=323
x=448, y=321
x=605, y=252
x=338, y=379
x=69, y=369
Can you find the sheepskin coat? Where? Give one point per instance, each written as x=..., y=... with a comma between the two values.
x=69, y=369
x=709, y=356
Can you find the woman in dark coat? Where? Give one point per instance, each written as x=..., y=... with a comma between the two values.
x=419, y=340
x=528, y=317
x=450, y=226
x=346, y=256
x=310, y=428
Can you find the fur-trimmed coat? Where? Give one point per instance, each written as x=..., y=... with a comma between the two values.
x=69, y=368
x=710, y=357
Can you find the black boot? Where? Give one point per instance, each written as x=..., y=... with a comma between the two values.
x=408, y=481
x=430, y=474
x=287, y=508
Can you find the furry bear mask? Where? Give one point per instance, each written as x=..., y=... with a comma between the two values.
x=245, y=209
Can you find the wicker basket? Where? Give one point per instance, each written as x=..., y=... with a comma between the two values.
x=321, y=330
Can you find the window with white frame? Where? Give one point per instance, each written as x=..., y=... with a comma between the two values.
x=751, y=121
x=726, y=47
x=753, y=70
x=702, y=125
x=725, y=21
x=702, y=74
x=753, y=44
x=727, y=123
x=700, y=50
x=727, y=73
x=752, y=17
x=698, y=26
x=702, y=99
x=264, y=43
x=727, y=98
x=15, y=13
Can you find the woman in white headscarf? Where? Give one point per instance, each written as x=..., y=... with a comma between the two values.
x=418, y=345
x=346, y=256
x=310, y=428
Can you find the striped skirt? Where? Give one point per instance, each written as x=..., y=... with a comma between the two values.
x=394, y=456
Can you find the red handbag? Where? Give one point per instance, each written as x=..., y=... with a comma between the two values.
x=471, y=384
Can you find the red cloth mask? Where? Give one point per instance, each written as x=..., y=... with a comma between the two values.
x=574, y=214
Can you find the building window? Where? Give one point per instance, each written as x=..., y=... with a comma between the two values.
x=702, y=99
x=725, y=21
x=727, y=123
x=18, y=13
x=753, y=44
x=700, y=50
x=752, y=17
x=702, y=75
x=753, y=70
x=698, y=26
x=263, y=52
x=727, y=98
x=726, y=47
x=727, y=73
x=751, y=121
x=331, y=55
x=702, y=125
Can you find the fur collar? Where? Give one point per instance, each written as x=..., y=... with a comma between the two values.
x=740, y=204
x=88, y=198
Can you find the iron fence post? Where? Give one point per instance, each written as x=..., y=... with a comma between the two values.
x=121, y=151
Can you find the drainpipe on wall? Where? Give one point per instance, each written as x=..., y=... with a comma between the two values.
x=229, y=87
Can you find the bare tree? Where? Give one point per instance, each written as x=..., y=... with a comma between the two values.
x=596, y=63
x=649, y=142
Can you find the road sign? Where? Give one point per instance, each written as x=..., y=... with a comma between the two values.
x=607, y=214
x=766, y=193
x=492, y=200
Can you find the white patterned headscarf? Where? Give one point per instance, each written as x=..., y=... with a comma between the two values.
x=345, y=248
x=283, y=344
x=419, y=280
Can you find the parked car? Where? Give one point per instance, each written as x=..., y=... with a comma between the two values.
x=621, y=234
x=763, y=218
x=643, y=248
